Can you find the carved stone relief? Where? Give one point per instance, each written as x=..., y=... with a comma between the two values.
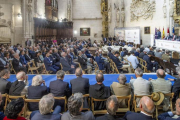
x=165, y=9
x=142, y=8
x=109, y=14
x=69, y=11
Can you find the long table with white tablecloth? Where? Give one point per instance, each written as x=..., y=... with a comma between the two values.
x=167, y=44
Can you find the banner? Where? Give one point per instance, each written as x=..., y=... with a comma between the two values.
x=170, y=45
x=128, y=34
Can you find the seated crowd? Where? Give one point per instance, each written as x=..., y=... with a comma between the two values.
x=81, y=86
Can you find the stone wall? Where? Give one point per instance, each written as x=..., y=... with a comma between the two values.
x=87, y=14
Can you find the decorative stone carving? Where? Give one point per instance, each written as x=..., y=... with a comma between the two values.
x=165, y=9
x=69, y=11
x=118, y=15
x=171, y=8
x=109, y=14
x=29, y=9
x=142, y=8
x=103, y=5
x=122, y=13
x=35, y=6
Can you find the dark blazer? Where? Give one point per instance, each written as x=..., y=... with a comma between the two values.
x=80, y=84
x=166, y=116
x=117, y=62
x=141, y=55
x=28, y=58
x=83, y=116
x=50, y=116
x=100, y=62
x=2, y=66
x=176, y=89
x=16, y=88
x=32, y=54
x=65, y=64
x=48, y=63
x=57, y=57
x=110, y=55
x=136, y=116
x=99, y=91
x=28, y=44
x=5, y=85
x=16, y=66
x=149, y=63
x=59, y=88
x=36, y=92
x=108, y=117
x=82, y=62
x=23, y=60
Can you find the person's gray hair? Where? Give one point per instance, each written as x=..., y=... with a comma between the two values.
x=79, y=52
x=178, y=70
x=78, y=72
x=122, y=79
x=60, y=74
x=142, y=46
x=75, y=102
x=157, y=49
x=20, y=75
x=137, y=49
x=112, y=105
x=113, y=51
x=139, y=71
x=4, y=72
x=36, y=81
x=46, y=104
x=83, y=50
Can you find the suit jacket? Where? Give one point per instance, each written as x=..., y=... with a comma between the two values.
x=27, y=57
x=166, y=116
x=16, y=66
x=141, y=55
x=110, y=55
x=48, y=63
x=32, y=54
x=176, y=88
x=83, y=116
x=159, y=35
x=59, y=88
x=136, y=116
x=36, y=92
x=65, y=64
x=99, y=91
x=23, y=60
x=117, y=62
x=80, y=84
x=82, y=62
x=100, y=62
x=28, y=43
x=57, y=57
x=108, y=117
x=2, y=66
x=16, y=88
x=5, y=85
x=88, y=54
x=50, y=116
x=149, y=63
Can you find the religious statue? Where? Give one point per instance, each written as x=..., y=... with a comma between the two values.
x=29, y=9
x=164, y=10
x=171, y=8
x=103, y=5
x=69, y=11
x=109, y=14
x=118, y=15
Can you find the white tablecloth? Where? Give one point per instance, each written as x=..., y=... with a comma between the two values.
x=167, y=44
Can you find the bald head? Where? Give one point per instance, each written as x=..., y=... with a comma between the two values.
x=21, y=75
x=161, y=73
x=147, y=105
x=78, y=72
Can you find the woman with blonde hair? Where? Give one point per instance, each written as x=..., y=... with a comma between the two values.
x=175, y=58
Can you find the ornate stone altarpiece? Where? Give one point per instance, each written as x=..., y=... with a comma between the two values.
x=142, y=8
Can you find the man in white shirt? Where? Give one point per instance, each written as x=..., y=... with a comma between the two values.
x=133, y=60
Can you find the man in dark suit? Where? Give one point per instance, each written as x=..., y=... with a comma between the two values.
x=49, y=64
x=28, y=42
x=59, y=88
x=147, y=108
x=80, y=84
x=116, y=60
x=99, y=91
x=66, y=65
x=17, y=65
x=158, y=35
x=110, y=54
x=22, y=58
x=82, y=61
x=168, y=37
x=112, y=107
x=4, y=83
x=174, y=115
x=150, y=65
x=141, y=55
x=56, y=56
x=99, y=61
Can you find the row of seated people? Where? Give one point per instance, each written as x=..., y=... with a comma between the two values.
x=15, y=109
x=59, y=88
